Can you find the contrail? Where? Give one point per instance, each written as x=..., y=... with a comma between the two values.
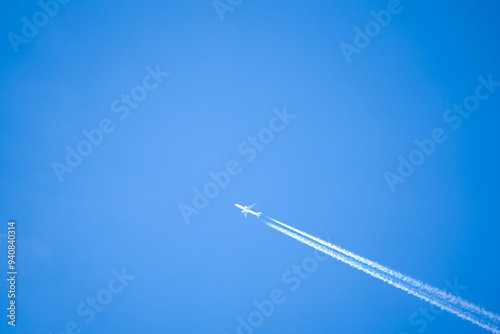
x=446, y=301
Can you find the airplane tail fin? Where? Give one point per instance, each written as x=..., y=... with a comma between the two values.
x=258, y=214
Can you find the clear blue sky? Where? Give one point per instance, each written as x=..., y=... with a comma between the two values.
x=323, y=172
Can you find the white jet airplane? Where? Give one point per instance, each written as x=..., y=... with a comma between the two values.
x=246, y=210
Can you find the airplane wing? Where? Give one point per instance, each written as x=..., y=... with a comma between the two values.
x=251, y=206
x=245, y=213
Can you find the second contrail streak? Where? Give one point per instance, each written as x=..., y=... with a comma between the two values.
x=446, y=301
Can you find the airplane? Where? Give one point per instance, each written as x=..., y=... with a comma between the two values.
x=246, y=210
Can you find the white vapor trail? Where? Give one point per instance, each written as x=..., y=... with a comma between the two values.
x=446, y=301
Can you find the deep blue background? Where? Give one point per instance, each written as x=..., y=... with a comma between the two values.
x=322, y=174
